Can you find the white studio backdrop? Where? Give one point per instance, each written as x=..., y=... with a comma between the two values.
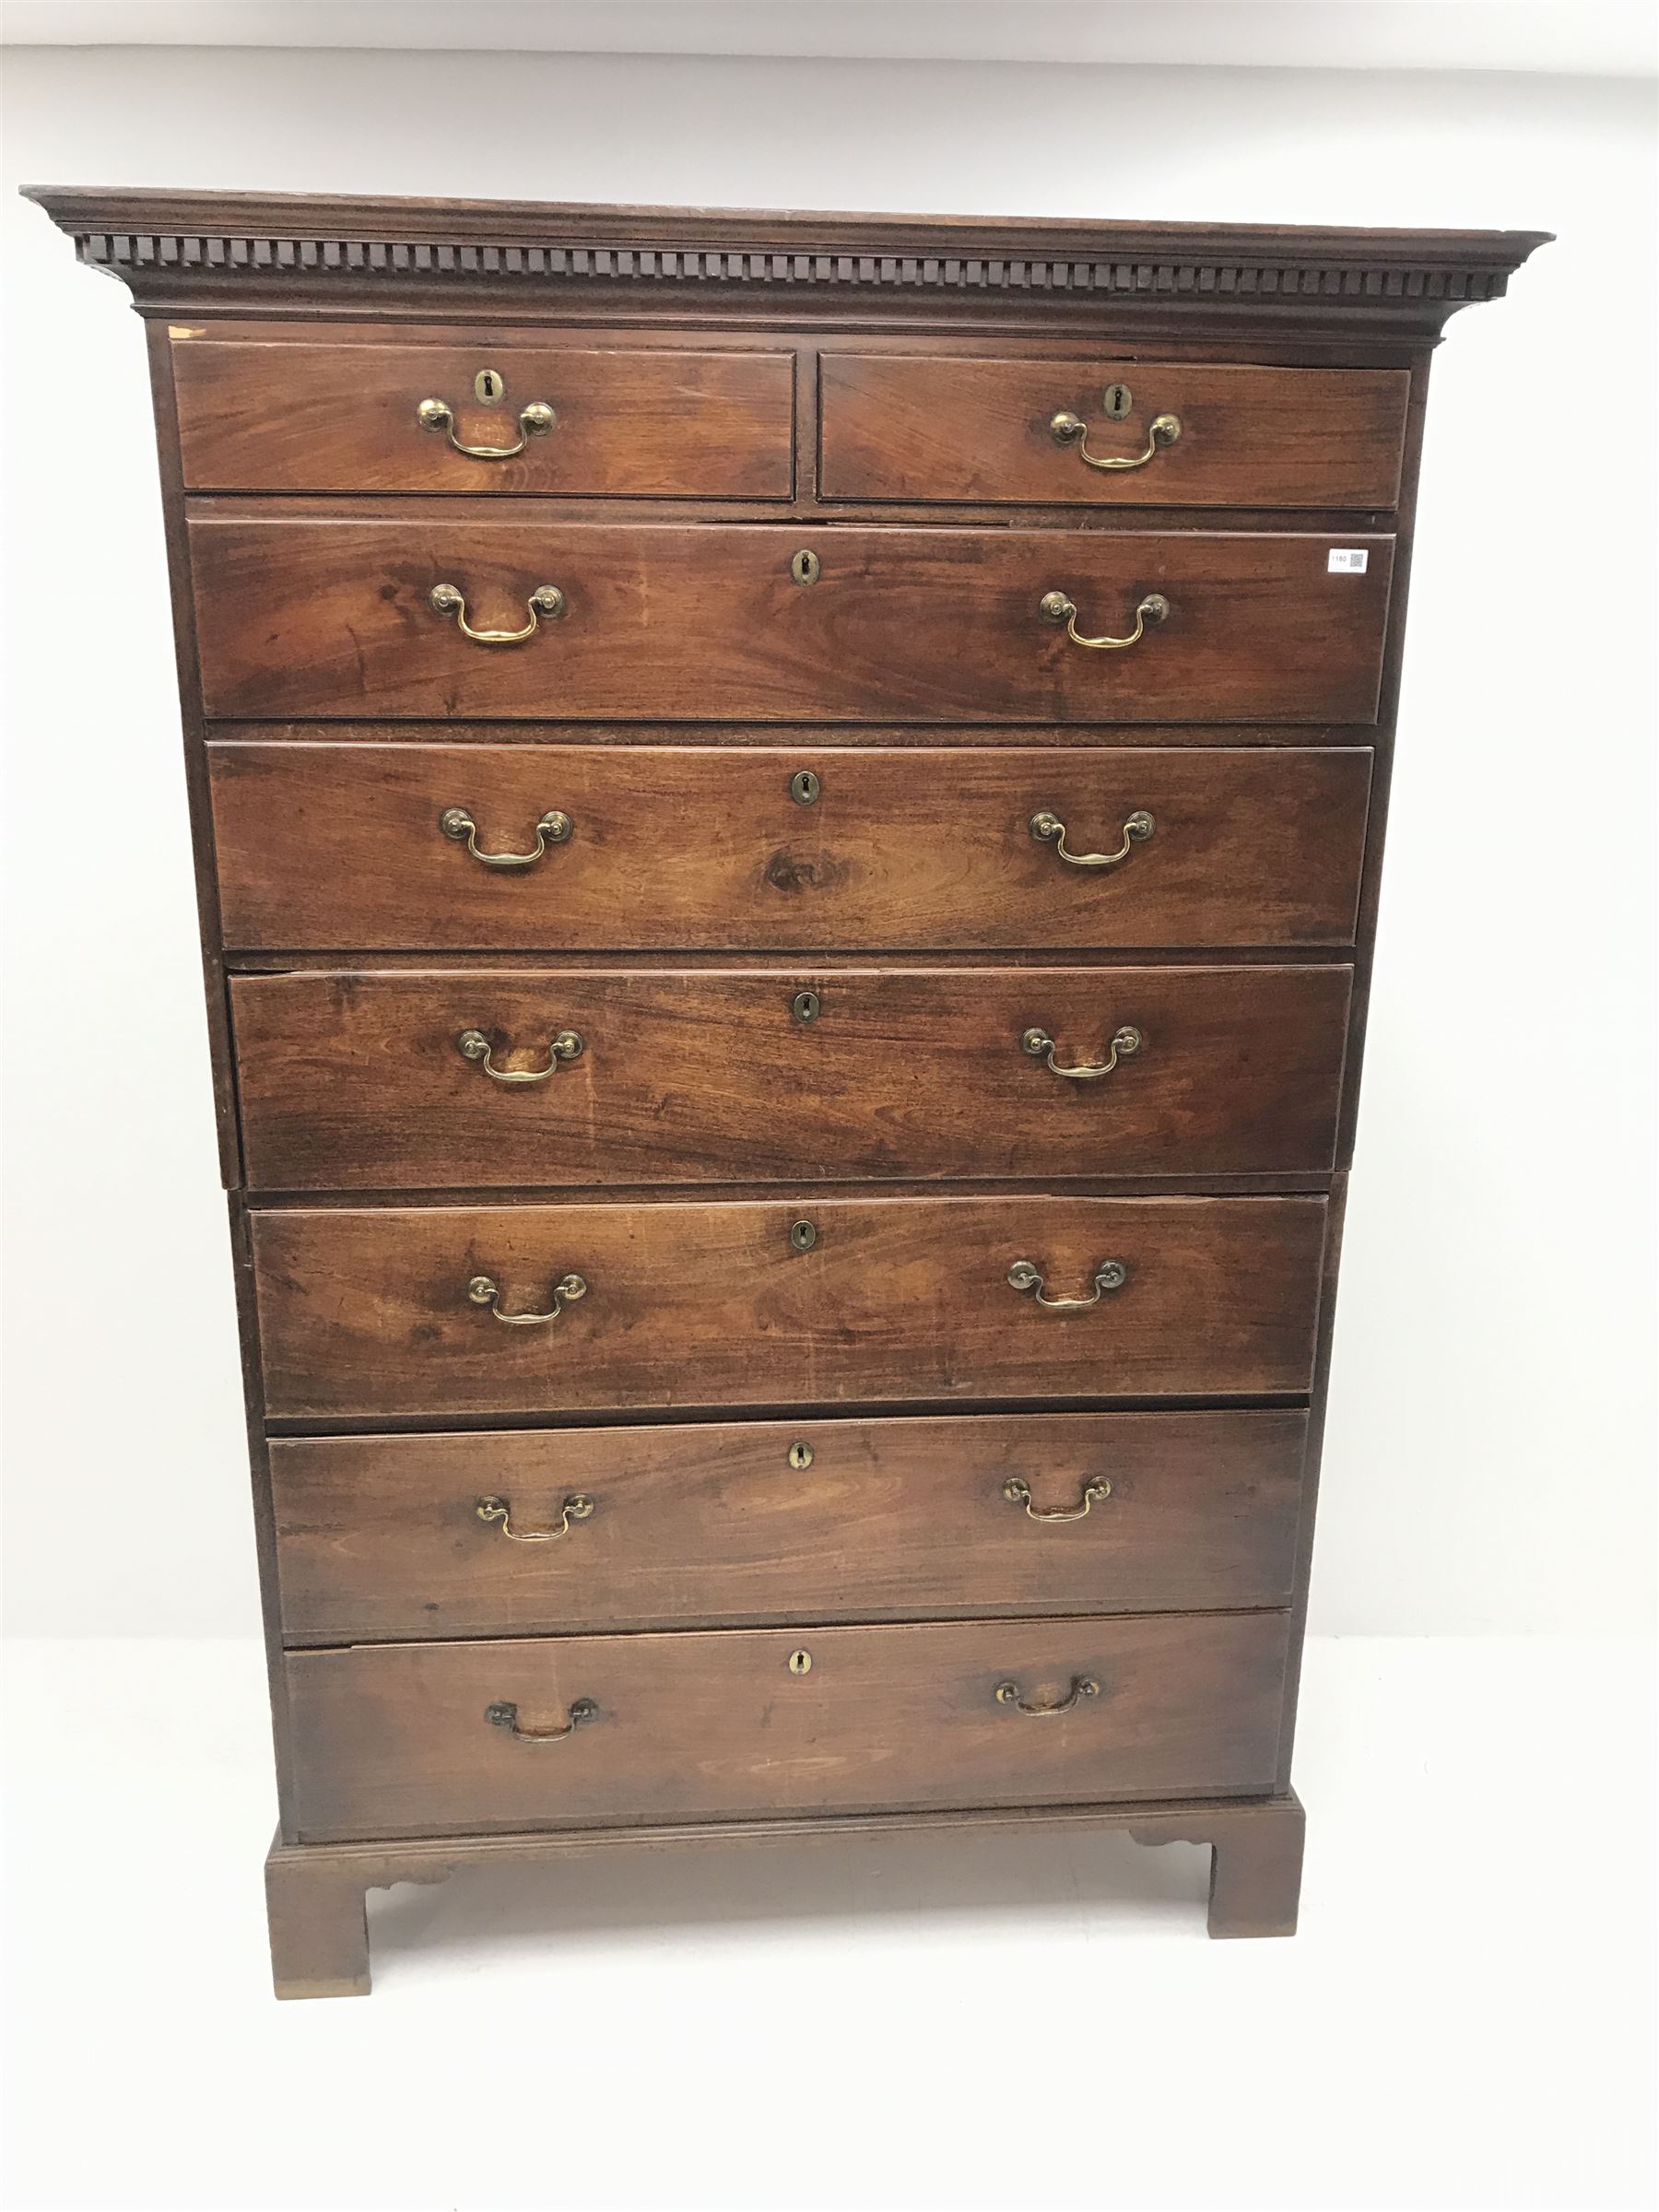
x=1488, y=1463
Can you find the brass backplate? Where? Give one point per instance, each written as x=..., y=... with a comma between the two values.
x=804, y=567
x=804, y=787
x=490, y=387
x=800, y=1662
x=800, y=1454
x=1118, y=401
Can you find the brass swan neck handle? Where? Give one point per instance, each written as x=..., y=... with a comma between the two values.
x=1066, y=428
x=566, y=1046
x=545, y=600
x=483, y=1290
x=1125, y=1044
x=554, y=829
x=1111, y=1275
x=1054, y=606
x=496, y=1510
x=534, y=422
x=1095, y=1491
x=1083, y=1686
x=1048, y=829
x=504, y=1714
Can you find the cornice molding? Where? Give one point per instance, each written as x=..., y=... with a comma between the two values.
x=264, y=248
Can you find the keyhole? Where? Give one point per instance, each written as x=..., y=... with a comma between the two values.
x=1119, y=400
x=800, y=1662
x=804, y=1006
x=804, y=567
x=800, y=1454
x=803, y=1235
x=488, y=386
x=804, y=787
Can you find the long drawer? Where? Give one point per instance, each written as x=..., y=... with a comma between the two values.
x=666, y=422
x=614, y=848
x=408, y=1312
x=900, y=425
x=480, y=1078
x=318, y=616
x=401, y=1739
x=547, y=1532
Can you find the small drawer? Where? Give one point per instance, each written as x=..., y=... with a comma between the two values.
x=482, y=417
x=418, y=1312
x=1104, y=433
x=448, y=1739
x=547, y=1533
x=588, y=621
x=507, y=1079
x=503, y=847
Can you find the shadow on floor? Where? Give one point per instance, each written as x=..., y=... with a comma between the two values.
x=1103, y=1878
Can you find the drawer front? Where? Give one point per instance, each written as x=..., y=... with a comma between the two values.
x=630, y=420
x=513, y=1078
x=396, y=1740
x=907, y=427
x=389, y=1311
x=335, y=845
x=706, y=623
x=546, y=1533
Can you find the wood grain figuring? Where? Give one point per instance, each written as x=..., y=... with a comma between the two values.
x=692, y=1726
x=366, y=1313
x=659, y=422
x=328, y=845
x=898, y=427
x=327, y=617
x=355, y=1081
x=379, y=1537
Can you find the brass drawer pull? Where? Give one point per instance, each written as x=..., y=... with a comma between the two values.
x=504, y=1715
x=1111, y=1275
x=554, y=829
x=1066, y=428
x=1125, y=1044
x=497, y=1509
x=1049, y=829
x=1020, y=1493
x=472, y=1045
x=1083, y=1686
x=484, y=1291
x=546, y=599
x=1054, y=606
x=534, y=422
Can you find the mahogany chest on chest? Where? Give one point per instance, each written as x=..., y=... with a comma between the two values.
x=788, y=814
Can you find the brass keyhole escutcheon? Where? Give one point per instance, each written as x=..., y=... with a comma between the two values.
x=804, y=567
x=804, y=1005
x=803, y=1236
x=800, y=1662
x=490, y=387
x=1118, y=401
x=804, y=787
x=800, y=1452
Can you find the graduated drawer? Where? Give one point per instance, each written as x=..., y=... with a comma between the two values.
x=927, y=427
x=475, y=1078
x=400, y=1739
x=664, y=423
x=316, y=617
x=398, y=1312
x=810, y=846
x=543, y=1533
